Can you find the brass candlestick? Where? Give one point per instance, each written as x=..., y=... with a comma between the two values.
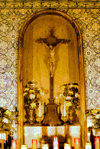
x=39, y=120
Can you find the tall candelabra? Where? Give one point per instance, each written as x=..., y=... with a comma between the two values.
x=71, y=96
x=32, y=95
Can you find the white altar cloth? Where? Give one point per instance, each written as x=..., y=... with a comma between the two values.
x=36, y=132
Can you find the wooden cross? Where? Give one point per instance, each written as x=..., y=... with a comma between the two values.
x=51, y=42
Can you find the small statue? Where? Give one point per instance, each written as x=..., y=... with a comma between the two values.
x=52, y=60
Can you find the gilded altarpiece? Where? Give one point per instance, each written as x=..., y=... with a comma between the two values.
x=34, y=59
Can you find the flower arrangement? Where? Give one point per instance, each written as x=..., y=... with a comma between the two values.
x=32, y=94
x=95, y=114
x=71, y=94
x=7, y=117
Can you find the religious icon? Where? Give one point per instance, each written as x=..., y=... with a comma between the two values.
x=51, y=42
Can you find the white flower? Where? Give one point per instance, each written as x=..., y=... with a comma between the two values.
x=32, y=96
x=68, y=97
x=5, y=120
x=77, y=95
x=97, y=116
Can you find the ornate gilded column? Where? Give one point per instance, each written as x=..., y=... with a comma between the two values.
x=20, y=105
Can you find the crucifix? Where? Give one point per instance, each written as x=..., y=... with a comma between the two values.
x=51, y=42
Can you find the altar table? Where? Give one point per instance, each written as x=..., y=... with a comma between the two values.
x=38, y=132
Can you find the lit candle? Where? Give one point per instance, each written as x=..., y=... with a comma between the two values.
x=64, y=108
x=97, y=142
x=40, y=109
x=88, y=136
x=45, y=146
x=66, y=146
x=76, y=143
x=55, y=142
x=34, y=144
x=88, y=145
x=24, y=146
x=13, y=144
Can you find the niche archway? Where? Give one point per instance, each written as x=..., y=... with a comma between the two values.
x=33, y=58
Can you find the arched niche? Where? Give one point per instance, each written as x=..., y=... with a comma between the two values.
x=33, y=58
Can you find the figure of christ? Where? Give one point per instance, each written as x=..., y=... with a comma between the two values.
x=52, y=54
x=52, y=60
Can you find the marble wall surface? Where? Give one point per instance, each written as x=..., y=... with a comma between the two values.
x=12, y=16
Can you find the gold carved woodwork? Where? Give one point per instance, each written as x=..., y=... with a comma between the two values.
x=20, y=132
